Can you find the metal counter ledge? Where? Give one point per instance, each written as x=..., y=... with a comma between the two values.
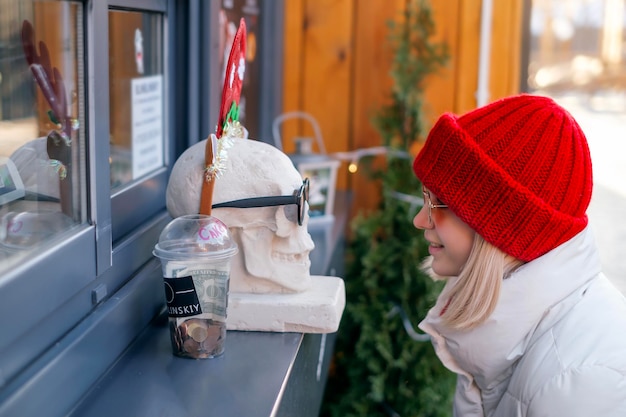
x=249, y=379
x=260, y=373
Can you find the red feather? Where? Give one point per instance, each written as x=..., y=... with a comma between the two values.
x=233, y=79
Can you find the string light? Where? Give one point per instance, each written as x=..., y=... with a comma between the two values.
x=354, y=156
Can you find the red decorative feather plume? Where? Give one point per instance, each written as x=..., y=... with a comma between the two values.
x=228, y=115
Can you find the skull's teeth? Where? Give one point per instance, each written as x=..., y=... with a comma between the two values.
x=288, y=257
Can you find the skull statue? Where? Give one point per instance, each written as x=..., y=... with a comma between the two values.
x=273, y=249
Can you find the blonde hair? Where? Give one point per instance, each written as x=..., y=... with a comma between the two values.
x=474, y=295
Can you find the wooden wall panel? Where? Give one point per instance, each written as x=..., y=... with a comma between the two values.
x=318, y=71
x=327, y=69
x=293, y=74
x=371, y=86
x=466, y=60
x=505, y=45
x=506, y=40
x=372, y=64
x=337, y=63
x=440, y=88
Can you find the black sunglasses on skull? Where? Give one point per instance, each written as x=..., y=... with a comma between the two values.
x=299, y=198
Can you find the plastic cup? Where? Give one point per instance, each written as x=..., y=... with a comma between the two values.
x=195, y=253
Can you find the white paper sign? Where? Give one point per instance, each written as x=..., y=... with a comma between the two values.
x=147, y=124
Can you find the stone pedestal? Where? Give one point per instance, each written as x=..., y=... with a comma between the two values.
x=317, y=310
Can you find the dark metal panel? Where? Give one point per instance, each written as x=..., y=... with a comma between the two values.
x=60, y=305
x=138, y=203
x=131, y=253
x=271, y=51
x=305, y=388
x=198, y=39
x=210, y=81
x=57, y=380
x=99, y=176
x=31, y=293
x=525, y=48
x=148, y=5
x=187, y=82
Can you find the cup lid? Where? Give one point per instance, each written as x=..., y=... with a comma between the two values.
x=195, y=236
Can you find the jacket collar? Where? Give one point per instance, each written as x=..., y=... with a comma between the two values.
x=483, y=356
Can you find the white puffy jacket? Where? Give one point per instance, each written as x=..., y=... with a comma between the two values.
x=554, y=346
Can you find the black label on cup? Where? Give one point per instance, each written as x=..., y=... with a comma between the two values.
x=181, y=297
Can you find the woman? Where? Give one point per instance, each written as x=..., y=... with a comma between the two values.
x=526, y=319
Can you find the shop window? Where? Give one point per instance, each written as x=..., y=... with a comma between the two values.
x=136, y=95
x=82, y=177
x=42, y=126
x=138, y=110
x=47, y=241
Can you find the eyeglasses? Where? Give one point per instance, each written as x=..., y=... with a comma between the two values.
x=428, y=202
x=299, y=198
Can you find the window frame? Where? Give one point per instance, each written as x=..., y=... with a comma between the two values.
x=143, y=199
x=29, y=295
x=49, y=296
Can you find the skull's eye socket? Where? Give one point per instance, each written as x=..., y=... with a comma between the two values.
x=291, y=213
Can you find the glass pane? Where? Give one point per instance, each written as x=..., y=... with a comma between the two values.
x=137, y=95
x=578, y=45
x=42, y=134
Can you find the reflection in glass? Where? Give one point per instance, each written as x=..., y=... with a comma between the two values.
x=41, y=123
x=137, y=95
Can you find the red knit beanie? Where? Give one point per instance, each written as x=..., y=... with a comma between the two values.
x=517, y=171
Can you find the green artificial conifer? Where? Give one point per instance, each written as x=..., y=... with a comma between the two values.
x=378, y=369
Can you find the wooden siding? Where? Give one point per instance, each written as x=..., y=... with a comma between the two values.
x=337, y=62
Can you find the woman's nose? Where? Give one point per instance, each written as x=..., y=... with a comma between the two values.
x=420, y=220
